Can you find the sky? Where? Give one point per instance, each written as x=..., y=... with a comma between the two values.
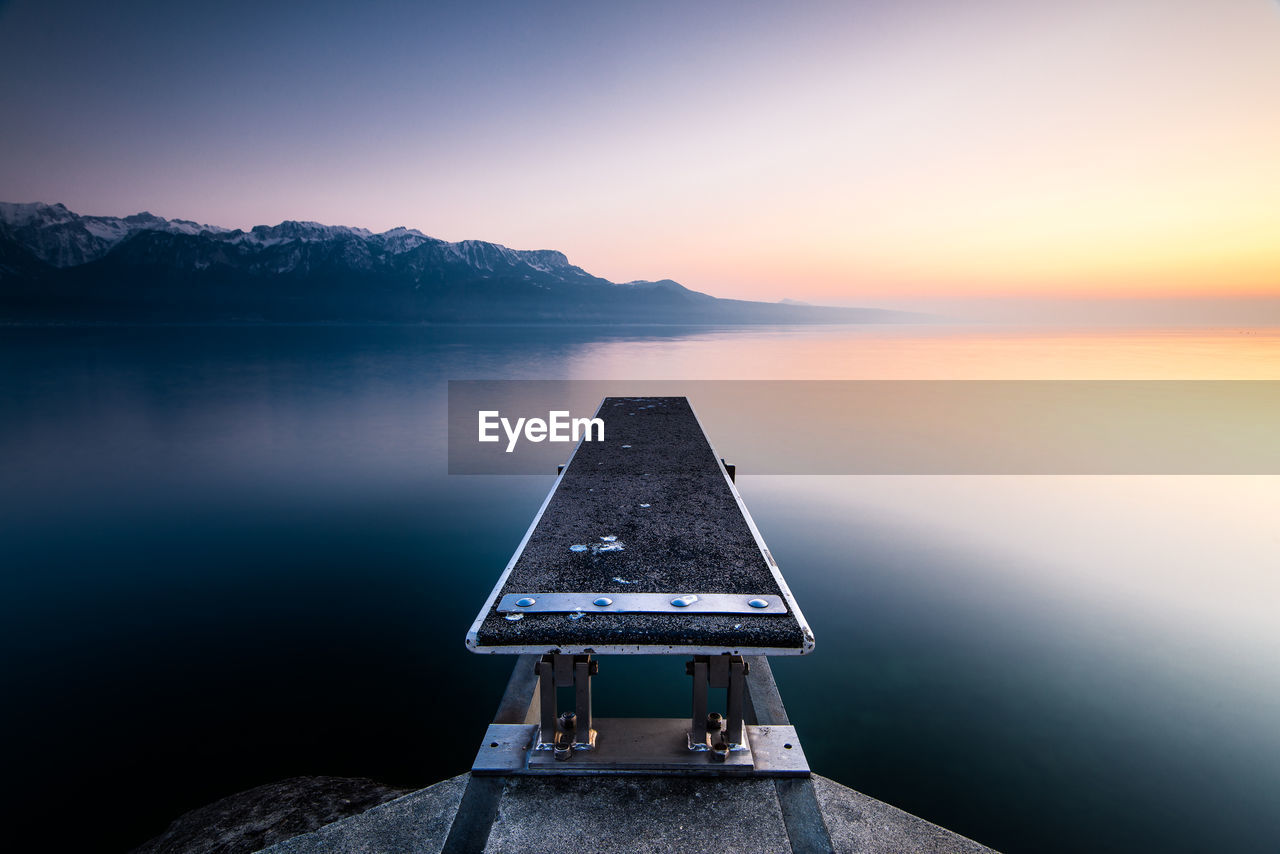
x=877, y=152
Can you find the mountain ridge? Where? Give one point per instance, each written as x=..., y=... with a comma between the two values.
x=56, y=264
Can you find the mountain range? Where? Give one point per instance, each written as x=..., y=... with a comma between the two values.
x=57, y=265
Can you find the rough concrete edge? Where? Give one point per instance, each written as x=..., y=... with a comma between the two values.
x=845, y=808
x=857, y=823
x=314, y=840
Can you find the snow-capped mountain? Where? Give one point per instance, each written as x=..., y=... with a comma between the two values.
x=61, y=238
x=57, y=264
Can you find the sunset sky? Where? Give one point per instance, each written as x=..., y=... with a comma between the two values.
x=837, y=152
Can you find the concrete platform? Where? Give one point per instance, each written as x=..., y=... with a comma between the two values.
x=636, y=815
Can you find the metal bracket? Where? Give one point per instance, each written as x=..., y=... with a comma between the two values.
x=715, y=732
x=570, y=731
x=505, y=749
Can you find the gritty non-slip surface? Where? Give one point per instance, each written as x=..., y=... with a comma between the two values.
x=656, y=488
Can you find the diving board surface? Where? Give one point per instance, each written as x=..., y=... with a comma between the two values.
x=645, y=517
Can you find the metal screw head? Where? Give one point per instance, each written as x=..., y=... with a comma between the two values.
x=568, y=721
x=603, y=602
x=715, y=722
x=759, y=603
x=525, y=602
x=684, y=601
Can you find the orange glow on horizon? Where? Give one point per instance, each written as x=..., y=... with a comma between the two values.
x=843, y=152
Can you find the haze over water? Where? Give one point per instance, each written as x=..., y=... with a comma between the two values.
x=234, y=556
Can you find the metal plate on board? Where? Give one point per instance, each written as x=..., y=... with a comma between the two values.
x=640, y=603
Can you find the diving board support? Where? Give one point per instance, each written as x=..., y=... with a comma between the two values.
x=767, y=746
x=563, y=733
x=717, y=733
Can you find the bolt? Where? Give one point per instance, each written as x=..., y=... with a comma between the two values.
x=719, y=744
x=563, y=746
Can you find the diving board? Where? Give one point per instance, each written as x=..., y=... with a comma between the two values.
x=642, y=547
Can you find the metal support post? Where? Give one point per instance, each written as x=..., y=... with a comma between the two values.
x=583, y=669
x=545, y=669
x=737, y=681
x=698, y=732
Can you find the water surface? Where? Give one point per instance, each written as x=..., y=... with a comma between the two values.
x=233, y=555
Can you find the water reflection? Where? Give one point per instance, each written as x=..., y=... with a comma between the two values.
x=905, y=352
x=233, y=555
x=1094, y=654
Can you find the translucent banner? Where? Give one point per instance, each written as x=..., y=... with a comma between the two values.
x=891, y=427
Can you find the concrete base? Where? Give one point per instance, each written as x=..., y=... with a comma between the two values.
x=418, y=822
x=627, y=814
x=863, y=824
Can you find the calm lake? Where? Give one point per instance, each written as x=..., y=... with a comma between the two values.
x=234, y=554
